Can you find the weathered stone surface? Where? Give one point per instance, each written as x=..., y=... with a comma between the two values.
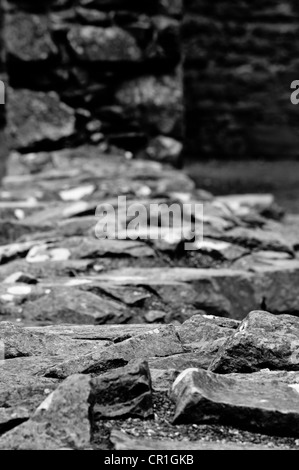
x=91, y=43
x=123, y=393
x=36, y=116
x=11, y=230
x=60, y=422
x=93, y=248
x=56, y=213
x=246, y=204
x=123, y=441
x=164, y=149
x=159, y=342
x=261, y=239
x=162, y=379
x=157, y=102
x=10, y=418
x=262, y=340
x=155, y=316
x=28, y=38
x=267, y=376
x=192, y=287
x=71, y=305
x=113, y=333
x=17, y=342
x=206, y=333
x=58, y=47
x=93, y=17
x=22, y=342
x=225, y=292
x=130, y=296
x=47, y=269
x=198, y=359
x=184, y=290
x=20, y=277
x=204, y=397
x=42, y=253
x=20, y=387
x=220, y=249
x=14, y=250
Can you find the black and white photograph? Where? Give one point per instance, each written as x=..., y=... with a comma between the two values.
x=149, y=228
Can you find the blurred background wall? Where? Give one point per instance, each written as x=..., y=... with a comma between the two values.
x=240, y=57
x=105, y=72
x=3, y=140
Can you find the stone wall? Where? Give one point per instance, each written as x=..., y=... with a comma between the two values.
x=3, y=140
x=240, y=58
x=105, y=72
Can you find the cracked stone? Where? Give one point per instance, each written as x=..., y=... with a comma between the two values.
x=261, y=341
x=125, y=392
x=159, y=342
x=34, y=117
x=71, y=305
x=206, y=334
x=23, y=342
x=204, y=397
x=60, y=422
x=20, y=387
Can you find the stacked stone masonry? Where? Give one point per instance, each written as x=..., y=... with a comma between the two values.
x=3, y=143
x=103, y=72
x=110, y=72
x=240, y=58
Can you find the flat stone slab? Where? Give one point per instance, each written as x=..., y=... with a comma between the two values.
x=159, y=342
x=113, y=333
x=226, y=292
x=21, y=342
x=204, y=397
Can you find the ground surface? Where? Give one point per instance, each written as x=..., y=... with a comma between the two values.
x=279, y=177
x=71, y=303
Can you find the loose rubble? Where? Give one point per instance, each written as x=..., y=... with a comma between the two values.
x=261, y=341
x=111, y=328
